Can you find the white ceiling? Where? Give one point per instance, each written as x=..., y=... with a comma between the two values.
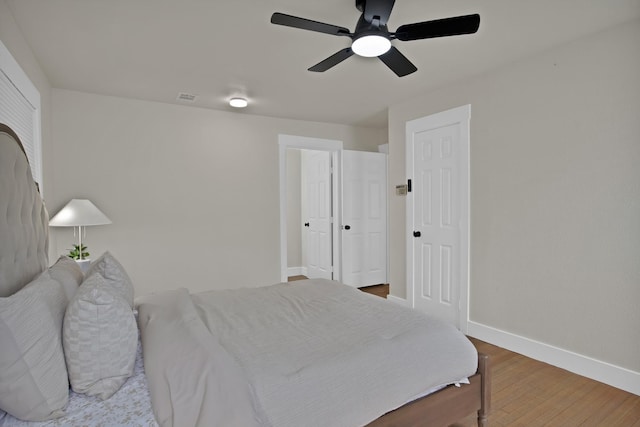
x=154, y=49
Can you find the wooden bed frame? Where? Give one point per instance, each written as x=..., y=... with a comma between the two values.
x=446, y=406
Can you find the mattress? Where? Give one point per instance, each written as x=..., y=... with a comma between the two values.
x=129, y=406
x=313, y=353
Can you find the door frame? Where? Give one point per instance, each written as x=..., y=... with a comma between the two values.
x=302, y=142
x=461, y=116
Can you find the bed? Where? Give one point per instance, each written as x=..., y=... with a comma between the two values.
x=307, y=353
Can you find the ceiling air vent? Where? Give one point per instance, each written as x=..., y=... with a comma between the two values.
x=186, y=97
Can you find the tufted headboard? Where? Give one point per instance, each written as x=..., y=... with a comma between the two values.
x=24, y=221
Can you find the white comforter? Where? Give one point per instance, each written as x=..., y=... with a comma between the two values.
x=312, y=353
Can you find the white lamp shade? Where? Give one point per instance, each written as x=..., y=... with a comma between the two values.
x=79, y=212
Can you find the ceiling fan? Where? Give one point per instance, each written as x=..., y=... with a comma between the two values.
x=373, y=38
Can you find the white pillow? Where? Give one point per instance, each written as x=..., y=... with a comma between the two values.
x=114, y=273
x=33, y=375
x=67, y=272
x=100, y=338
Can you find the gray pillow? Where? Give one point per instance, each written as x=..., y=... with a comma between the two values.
x=33, y=375
x=109, y=267
x=67, y=272
x=100, y=338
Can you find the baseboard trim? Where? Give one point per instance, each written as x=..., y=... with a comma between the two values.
x=398, y=300
x=604, y=372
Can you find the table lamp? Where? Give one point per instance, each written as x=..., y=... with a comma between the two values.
x=79, y=213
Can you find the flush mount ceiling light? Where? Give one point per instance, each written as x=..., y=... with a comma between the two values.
x=238, y=102
x=371, y=45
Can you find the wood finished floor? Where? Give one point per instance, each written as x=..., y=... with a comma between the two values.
x=529, y=393
x=526, y=392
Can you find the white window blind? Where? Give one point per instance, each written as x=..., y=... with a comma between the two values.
x=19, y=112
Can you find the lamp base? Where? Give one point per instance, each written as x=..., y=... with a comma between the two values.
x=84, y=264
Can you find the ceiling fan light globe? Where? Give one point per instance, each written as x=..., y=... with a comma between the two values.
x=371, y=45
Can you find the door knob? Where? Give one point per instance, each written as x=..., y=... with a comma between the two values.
x=347, y=227
x=417, y=234
x=306, y=224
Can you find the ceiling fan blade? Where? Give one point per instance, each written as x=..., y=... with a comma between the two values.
x=332, y=61
x=398, y=63
x=307, y=24
x=378, y=8
x=455, y=26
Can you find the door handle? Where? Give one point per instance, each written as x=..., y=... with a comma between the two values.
x=347, y=227
x=306, y=224
x=417, y=234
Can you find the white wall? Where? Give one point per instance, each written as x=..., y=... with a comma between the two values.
x=555, y=195
x=192, y=193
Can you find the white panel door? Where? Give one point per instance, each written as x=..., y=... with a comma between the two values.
x=438, y=220
x=317, y=166
x=364, y=218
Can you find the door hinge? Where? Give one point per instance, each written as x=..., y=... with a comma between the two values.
x=408, y=186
